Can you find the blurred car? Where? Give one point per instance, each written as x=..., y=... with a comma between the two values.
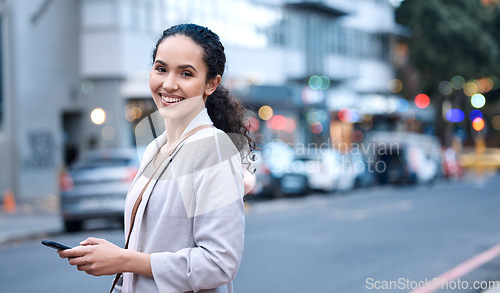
x=364, y=169
x=425, y=164
x=96, y=186
x=275, y=175
x=396, y=169
x=348, y=173
x=327, y=169
x=405, y=158
x=321, y=167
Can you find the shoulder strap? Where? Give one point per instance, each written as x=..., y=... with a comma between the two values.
x=171, y=153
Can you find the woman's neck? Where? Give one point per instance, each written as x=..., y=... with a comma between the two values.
x=175, y=127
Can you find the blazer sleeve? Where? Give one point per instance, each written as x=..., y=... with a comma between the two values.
x=218, y=224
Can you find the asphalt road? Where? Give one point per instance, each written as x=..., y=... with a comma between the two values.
x=321, y=243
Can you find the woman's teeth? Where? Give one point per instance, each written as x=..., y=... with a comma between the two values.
x=171, y=100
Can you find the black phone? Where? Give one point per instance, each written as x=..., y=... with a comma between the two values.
x=55, y=245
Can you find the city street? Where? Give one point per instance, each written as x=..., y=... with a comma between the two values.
x=322, y=243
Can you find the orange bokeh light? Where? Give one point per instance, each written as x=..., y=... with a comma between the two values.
x=478, y=124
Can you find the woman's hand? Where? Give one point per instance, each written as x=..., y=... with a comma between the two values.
x=96, y=257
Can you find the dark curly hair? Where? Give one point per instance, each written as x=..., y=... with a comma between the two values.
x=227, y=113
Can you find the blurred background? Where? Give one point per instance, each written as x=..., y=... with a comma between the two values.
x=379, y=123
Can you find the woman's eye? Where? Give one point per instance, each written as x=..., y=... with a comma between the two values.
x=186, y=73
x=161, y=69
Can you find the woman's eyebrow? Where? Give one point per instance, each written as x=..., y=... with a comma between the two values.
x=161, y=62
x=184, y=66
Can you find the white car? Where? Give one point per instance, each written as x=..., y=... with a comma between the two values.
x=326, y=170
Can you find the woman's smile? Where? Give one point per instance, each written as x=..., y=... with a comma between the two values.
x=168, y=100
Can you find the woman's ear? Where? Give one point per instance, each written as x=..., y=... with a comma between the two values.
x=212, y=85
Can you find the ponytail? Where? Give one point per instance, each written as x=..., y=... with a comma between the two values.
x=227, y=114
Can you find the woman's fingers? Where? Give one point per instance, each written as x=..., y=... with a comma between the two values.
x=95, y=256
x=91, y=241
x=77, y=261
x=73, y=252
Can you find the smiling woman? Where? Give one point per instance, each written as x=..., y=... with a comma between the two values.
x=184, y=213
x=178, y=79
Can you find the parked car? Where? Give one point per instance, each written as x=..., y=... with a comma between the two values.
x=327, y=169
x=405, y=158
x=348, y=173
x=96, y=186
x=364, y=169
x=396, y=168
x=275, y=175
x=321, y=168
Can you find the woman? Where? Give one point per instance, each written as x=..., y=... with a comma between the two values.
x=188, y=231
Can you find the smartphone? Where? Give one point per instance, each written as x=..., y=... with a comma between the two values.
x=55, y=245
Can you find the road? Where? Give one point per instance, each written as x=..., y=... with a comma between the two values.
x=323, y=243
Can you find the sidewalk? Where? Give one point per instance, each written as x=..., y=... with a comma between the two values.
x=32, y=218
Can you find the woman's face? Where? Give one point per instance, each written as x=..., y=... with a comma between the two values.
x=178, y=78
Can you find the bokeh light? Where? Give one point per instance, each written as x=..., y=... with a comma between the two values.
x=278, y=122
x=325, y=82
x=315, y=82
x=470, y=89
x=457, y=82
x=478, y=124
x=445, y=88
x=366, y=123
x=252, y=124
x=265, y=112
x=316, y=115
x=132, y=112
x=495, y=122
x=108, y=132
x=477, y=101
x=455, y=115
x=422, y=101
x=316, y=128
x=98, y=116
x=357, y=136
x=395, y=85
x=402, y=105
x=474, y=114
x=345, y=115
x=485, y=84
x=319, y=82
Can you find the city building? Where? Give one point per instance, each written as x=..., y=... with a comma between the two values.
x=75, y=73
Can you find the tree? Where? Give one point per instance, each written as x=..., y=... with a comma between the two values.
x=451, y=38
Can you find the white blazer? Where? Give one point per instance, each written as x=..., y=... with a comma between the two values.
x=191, y=219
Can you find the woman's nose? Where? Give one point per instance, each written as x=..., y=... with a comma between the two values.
x=170, y=83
